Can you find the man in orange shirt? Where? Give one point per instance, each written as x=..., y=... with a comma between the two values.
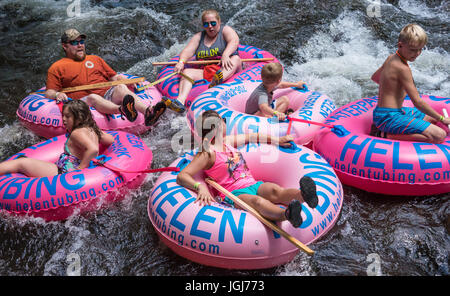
x=77, y=69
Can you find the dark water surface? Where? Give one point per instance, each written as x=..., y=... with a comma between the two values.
x=334, y=46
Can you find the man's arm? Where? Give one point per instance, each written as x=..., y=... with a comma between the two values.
x=117, y=77
x=55, y=95
x=53, y=86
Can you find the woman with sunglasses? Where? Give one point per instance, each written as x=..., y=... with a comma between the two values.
x=216, y=41
x=220, y=160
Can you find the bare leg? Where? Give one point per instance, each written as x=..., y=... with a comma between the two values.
x=121, y=91
x=185, y=85
x=29, y=167
x=279, y=195
x=432, y=134
x=282, y=104
x=263, y=206
x=102, y=105
x=237, y=66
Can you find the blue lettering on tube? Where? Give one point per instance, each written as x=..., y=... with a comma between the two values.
x=236, y=230
x=174, y=222
x=373, y=150
x=445, y=149
x=50, y=186
x=396, y=165
x=422, y=152
x=233, y=122
x=35, y=102
x=201, y=216
x=322, y=208
x=251, y=127
x=166, y=189
x=27, y=191
x=7, y=180
x=81, y=181
x=14, y=188
x=309, y=217
x=172, y=201
x=357, y=147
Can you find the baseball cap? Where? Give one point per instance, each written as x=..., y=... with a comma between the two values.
x=70, y=35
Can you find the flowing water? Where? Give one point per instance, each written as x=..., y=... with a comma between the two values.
x=334, y=46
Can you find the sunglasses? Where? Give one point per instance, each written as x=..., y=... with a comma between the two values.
x=75, y=42
x=206, y=24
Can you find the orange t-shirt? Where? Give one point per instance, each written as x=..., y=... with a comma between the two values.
x=69, y=73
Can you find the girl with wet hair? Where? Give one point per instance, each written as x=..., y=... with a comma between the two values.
x=82, y=145
x=220, y=160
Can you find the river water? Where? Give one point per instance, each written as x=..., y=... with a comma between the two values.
x=334, y=46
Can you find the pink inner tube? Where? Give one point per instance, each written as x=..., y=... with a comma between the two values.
x=229, y=100
x=381, y=165
x=251, y=70
x=225, y=237
x=58, y=197
x=43, y=116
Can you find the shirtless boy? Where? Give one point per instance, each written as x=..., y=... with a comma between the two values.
x=395, y=80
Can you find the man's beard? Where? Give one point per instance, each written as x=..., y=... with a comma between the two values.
x=80, y=58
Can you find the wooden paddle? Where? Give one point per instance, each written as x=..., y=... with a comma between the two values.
x=266, y=222
x=102, y=84
x=211, y=62
x=98, y=85
x=445, y=114
x=188, y=78
x=156, y=82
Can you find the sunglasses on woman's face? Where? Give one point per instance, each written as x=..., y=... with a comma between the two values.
x=206, y=24
x=75, y=42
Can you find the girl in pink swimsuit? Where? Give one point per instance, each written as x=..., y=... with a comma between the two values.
x=220, y=161
x=81, y=147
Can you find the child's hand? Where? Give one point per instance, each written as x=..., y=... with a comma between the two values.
x=203, y=196
x=446, y=121
x=284, y=141
x=301, y=84
x=280, y=115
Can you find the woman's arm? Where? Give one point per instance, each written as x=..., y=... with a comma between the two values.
x=232, y=39
x=186, y=179
x=188, y=52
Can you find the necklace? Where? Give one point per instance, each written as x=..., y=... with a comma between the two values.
x=402, y=58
